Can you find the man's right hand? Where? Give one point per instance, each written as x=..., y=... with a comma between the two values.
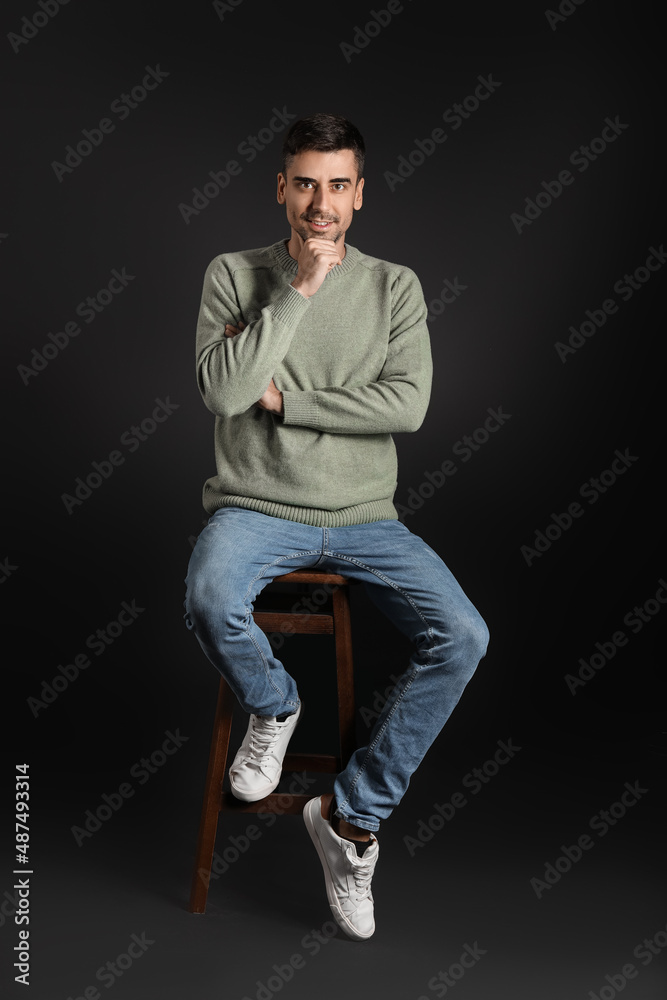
x=316, y=258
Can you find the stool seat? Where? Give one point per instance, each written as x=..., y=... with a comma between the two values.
x=331, y=618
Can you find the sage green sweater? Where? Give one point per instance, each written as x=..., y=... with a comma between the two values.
x=353, y=363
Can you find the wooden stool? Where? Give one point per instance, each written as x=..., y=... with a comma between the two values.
x=332, y=618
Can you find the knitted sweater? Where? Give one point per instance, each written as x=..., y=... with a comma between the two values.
x=354, y=365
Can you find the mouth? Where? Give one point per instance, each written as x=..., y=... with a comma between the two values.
x=320, y=227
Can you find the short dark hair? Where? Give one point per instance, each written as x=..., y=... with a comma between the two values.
x=324, y=133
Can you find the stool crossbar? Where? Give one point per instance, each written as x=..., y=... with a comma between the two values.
x=331, y=618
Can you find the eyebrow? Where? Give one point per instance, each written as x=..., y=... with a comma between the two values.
x=334, y=180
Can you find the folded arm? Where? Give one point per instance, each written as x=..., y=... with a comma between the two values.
x=233, y=372
x=398, y=400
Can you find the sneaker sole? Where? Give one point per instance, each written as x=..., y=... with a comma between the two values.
x=338, y=915
x=252, y=797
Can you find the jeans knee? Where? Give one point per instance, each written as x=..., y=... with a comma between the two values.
x=479, y=636
x=469, y=639
x=214, y=611
x=202, y=604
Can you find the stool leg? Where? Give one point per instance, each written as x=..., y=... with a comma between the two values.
x=345, y=673
x=208, y=824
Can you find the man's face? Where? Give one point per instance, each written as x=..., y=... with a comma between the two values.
x=321, y=187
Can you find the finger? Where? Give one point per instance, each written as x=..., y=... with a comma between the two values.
x=317, y=241
x=322, y=252
x=322, y=244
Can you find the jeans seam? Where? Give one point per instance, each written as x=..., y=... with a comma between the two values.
x=371, y=748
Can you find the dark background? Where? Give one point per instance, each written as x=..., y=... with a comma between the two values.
x=66, y=574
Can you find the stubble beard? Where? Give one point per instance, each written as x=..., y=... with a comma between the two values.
x=333, y=235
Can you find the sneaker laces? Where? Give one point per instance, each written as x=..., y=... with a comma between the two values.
x=362, y=870
x=263, y=739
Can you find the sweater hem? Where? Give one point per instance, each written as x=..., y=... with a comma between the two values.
x=363, y=513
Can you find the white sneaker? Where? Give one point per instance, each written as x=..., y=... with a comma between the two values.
x=347, y=876
x=258, y=764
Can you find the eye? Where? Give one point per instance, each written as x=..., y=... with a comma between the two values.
x=339, y=187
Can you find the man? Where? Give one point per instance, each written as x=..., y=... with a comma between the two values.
x=311, y=354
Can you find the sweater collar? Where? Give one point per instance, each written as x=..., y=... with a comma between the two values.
x=350, y=260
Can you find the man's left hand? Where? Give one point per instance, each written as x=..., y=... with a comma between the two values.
x=272, y=398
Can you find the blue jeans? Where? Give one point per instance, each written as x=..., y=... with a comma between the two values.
x=240, y=551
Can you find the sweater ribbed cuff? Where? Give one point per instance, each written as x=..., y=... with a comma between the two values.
x=290, y=306
x=300, y=408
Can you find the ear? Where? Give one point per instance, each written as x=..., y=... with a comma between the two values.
x=358, y=194
x=282, y=182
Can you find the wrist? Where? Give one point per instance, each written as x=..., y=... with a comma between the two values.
x=299, y=286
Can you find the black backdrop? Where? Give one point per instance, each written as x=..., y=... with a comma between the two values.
x=545, y=293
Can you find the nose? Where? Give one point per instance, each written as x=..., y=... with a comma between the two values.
x=320, y=202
